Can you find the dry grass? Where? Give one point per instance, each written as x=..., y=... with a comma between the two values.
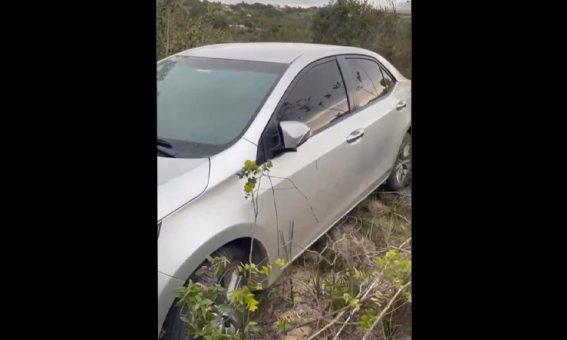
x=307, y=297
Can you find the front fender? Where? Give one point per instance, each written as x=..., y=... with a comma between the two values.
x=174, y=274
x=209, y=244
x=216, y=218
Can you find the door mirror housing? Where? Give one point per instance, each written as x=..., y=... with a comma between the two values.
x=294, y=134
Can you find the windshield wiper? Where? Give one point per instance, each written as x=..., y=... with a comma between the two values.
x=166, y=148
x=165, y=143
x=167, y=152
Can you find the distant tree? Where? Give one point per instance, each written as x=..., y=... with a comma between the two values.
x=345, y=22
x=183, y=24
x=178, y=30
x=358, y=23
x=220, y=22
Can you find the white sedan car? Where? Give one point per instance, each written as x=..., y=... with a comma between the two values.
x=334, y=121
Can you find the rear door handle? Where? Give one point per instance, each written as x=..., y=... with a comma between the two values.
x=401, y=105
x=355, y=135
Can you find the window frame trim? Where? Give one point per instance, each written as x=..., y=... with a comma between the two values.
x=260, y=158
x=301, y=74
x=344, y=64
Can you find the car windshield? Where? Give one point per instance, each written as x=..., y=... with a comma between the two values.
x=205, y=104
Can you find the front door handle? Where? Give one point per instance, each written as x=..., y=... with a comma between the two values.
x=355, y=135
x=401, y=105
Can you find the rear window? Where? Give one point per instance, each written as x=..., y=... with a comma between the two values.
x=369, y=82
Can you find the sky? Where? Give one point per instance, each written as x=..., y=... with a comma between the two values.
x=309, y=3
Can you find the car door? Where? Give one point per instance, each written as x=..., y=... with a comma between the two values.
x=383, y=112
x=317, y=184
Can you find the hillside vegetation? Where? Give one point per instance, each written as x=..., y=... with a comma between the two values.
x=183, y=24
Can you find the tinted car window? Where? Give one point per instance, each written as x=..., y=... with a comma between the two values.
x=368, y=80
x=317, y=98
x=204, y=104
x=388, y=80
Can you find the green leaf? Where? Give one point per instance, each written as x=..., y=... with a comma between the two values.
x=280, y=263
x=248, y=187
x=255, y=285
x=250, y=166
x=391, y=255
x=251, y=302
x=226, y=309
x=207, y=302
x=359, y=274
x=266, y=270
x=367, y=319
x=355, y=304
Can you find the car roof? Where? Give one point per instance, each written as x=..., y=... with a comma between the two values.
x=269, y=52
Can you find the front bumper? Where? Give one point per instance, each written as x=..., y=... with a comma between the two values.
x=166, y=295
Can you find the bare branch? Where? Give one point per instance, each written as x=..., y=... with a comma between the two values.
x=302, y=194
x=335, y=320
x=403, y=218
x=381, y=315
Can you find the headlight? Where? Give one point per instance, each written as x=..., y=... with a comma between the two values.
x=158, y=228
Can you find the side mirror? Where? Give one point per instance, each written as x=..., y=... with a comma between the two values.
x=294, y=134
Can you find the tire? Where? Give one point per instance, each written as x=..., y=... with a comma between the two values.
x=400, y=177
x=173, y=327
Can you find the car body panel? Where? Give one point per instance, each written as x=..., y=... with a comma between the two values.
x=230, y=213
x=269, y=51
x=180, y=181
x=166, y=294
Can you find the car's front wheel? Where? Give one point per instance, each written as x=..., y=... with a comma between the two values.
x=400, y=177
x=174, y=328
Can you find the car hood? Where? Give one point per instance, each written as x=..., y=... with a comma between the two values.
x=179, y=182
